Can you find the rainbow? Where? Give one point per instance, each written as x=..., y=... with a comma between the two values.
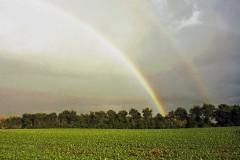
x=131, y=66
x=198, y=83
x=121, y=56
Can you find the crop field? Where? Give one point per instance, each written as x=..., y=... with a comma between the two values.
x=199, y=143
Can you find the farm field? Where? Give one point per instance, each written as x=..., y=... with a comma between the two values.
x=197, y=143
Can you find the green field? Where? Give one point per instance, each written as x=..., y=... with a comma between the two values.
x=199, y=143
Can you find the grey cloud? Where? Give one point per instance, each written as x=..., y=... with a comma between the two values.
x=17, y=102
x=180, y=9
x=229, y=11
x=224, y=48
x=219, y=67
x=24, y=66
x=177, y=87
x=153, y=53
x=11, y=66
x=26, y=75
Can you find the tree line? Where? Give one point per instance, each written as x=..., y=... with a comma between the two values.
x=206, y=115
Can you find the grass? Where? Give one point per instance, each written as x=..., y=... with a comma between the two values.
x=198, y=143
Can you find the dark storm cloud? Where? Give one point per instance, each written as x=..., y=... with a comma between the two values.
x=216, y=40
x=219, y=67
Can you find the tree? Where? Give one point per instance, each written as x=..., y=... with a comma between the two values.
x=91, y=120
x=191, y=122
x=40, y=120
x=223, y=115
x=159, y=121
x=122, y=119
x=171, y=114
x=67, y=118
x=181, y=114
x=235, y=115
x=2, y=122
x=147, y=118
x=28, y=120
x=208, y=114
x=100, y=119
x=180, y=119
x=13, y=122
x=81, y=121
x=135, y=117
x=51, y=120
x=135, y=114
x=174, y=123
x=196, y=114
x=112, y=118
x=204, y=116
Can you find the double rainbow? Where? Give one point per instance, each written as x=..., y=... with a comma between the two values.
x=158, y=102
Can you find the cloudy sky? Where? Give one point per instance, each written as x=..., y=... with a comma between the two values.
x=67, y=54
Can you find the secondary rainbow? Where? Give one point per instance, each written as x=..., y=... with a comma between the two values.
x=187, y=64
x=121, y=56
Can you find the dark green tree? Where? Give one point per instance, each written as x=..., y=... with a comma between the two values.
x=223, y=115
x=159, y=121
x=40, y=120
x=171, y=114
x=204, y=116
x=51, y=120
x=122, y=119
x=147, y=118
x=191, y=121
x=112, y=118
x=181, y=114
x=180, y=119
x=101, y=118
x=196, y=115
x=67, y=118
x=83, y=121
x=91, y=120
x=235, y=115
x=208, y=114
x=28, y=120
x=13, y=122
x=135, y=118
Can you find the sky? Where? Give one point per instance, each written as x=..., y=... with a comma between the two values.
x=89, y=55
